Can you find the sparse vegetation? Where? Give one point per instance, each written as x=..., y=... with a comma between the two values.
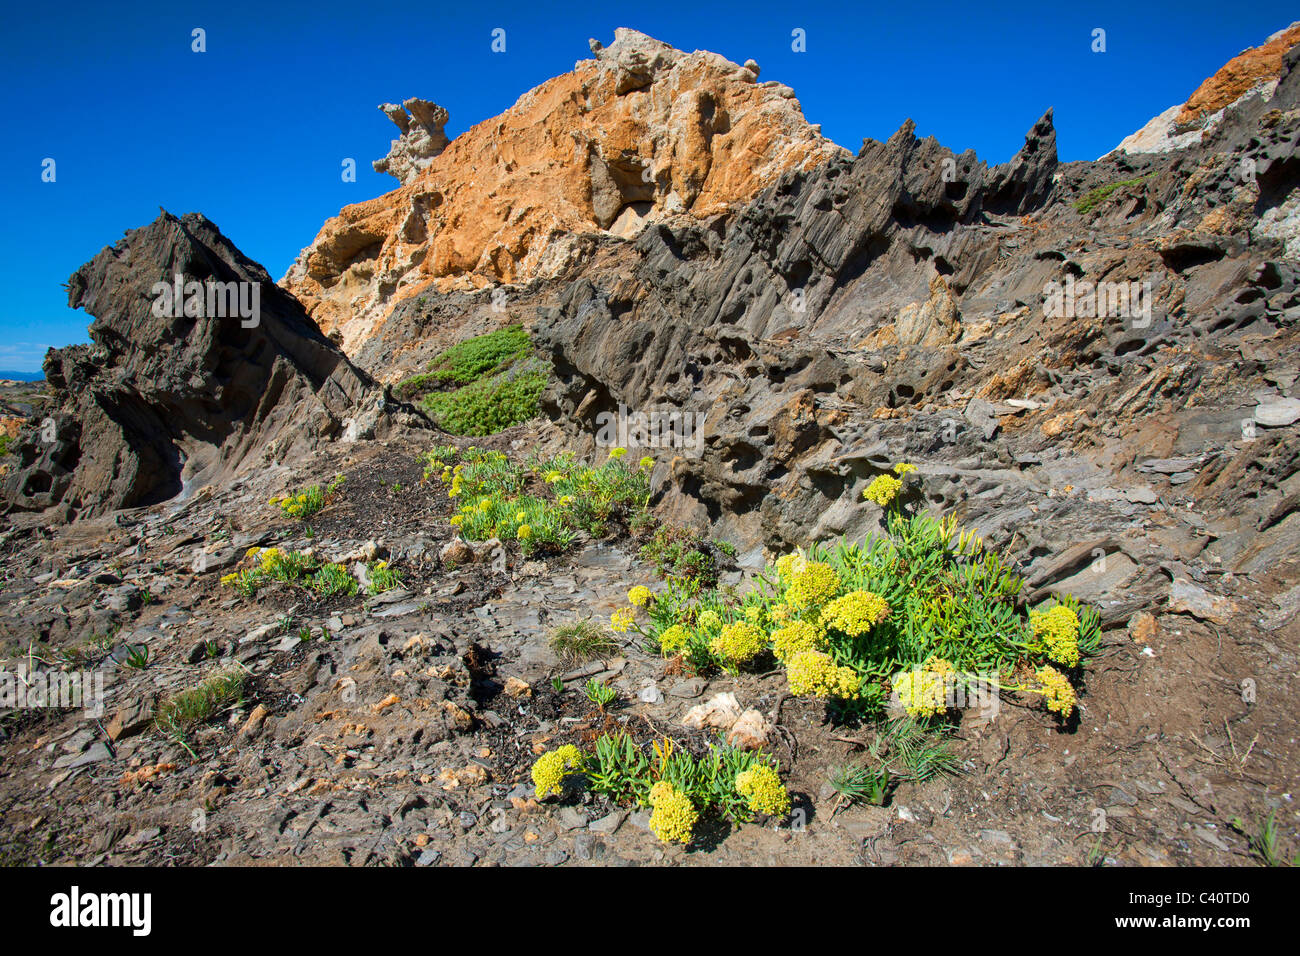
x=1266, y=846
x=581, y=641
x=137, y=656
x=903, y=750
x=290, y=567
x=542, y=504
x=680, y=553
x=179, y=714
x=600, y=693
x=305, y=503
x=1095, y=197
x=382, y=577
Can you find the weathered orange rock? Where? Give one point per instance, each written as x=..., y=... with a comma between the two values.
x=640, y=133
x=1239, y=75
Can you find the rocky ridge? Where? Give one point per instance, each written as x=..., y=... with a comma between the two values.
x=1251, y=73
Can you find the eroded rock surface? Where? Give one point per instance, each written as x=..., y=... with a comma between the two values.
x=160, y=404
x=897, y=307
x=639, y=133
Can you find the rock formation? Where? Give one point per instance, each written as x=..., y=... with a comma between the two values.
x=883, y=309
x=179, y=390
x=639, y=133
x=421, y=124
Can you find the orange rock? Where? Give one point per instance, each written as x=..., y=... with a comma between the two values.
x=1238, y=75
x=640, y=133
x=145, y=774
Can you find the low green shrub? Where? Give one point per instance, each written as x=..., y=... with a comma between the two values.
x=481, y=385
x=541, y=504
x=678, y=552
x=290, y=567
x=470, y=360
x=1095, y=197
x=305, y=503
x=491, y=404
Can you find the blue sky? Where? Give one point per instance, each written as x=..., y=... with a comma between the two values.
x=252, y=132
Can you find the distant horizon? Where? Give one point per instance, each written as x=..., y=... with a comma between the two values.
x=240, y=133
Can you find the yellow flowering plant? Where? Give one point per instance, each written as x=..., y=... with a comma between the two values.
x=883, y=490
x=542, y=505
x=680, y=787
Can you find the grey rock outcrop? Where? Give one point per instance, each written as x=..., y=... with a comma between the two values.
x=177, y=391
x=897, y=306
x=421, y=123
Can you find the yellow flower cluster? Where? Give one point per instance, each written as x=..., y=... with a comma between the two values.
x=763, y=790
x=673, y=639
x=883, y=490
x=639, y=596
x=1058, y=631
x=780, y=613
x=855, y=613
x=814, y=673
x=787, y=564
x=1057, y=690
x=454, y=490
x=553, y=476
x=812, y=583
x=622, y=619
x=552, y=767
x=647, y=462
x=269, y=558
x=923, y=692
x=674, y=816
x=795, y=637
x=739, y=642
x=524, y=532
x=617, y=452
x=709, y=620
x=903, y=468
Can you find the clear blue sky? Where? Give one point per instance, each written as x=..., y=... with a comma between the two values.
x=252, y=132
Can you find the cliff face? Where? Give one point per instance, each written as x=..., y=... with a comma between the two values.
x=639, y=133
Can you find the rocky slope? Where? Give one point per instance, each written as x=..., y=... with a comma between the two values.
x=640, y=132
x=850, y=312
